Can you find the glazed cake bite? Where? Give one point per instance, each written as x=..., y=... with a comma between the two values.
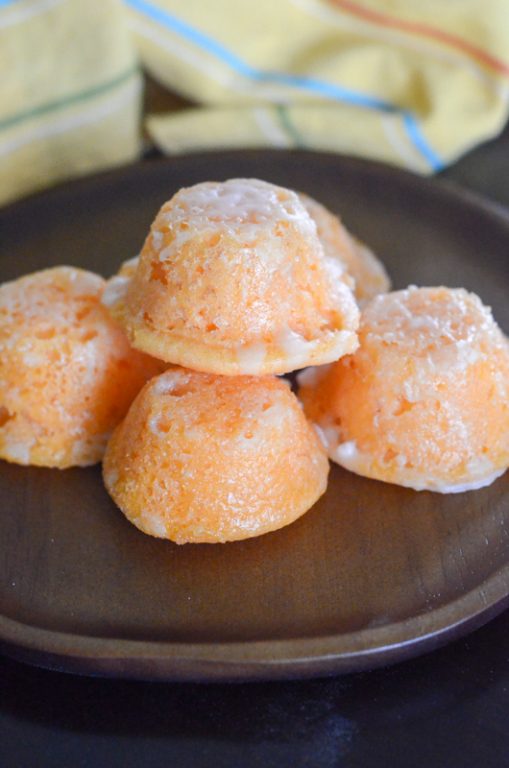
x=424, y=401
x=232, y=279
x=368, y=276
x=204, y=458
x=67, y=372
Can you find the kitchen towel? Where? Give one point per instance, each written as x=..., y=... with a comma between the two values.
x=411, y=83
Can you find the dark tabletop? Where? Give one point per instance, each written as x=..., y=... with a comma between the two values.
x=448, y=708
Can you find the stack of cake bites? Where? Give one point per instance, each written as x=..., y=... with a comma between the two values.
x=234, y=285
x=177, y=357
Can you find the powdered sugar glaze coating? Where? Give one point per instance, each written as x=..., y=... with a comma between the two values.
x=243, y=206
x=363, y=270
x=67, y=372
x=424, y=402
x=233, y=279
x=203, y=458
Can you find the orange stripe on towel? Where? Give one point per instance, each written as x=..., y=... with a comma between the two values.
x=424, y=30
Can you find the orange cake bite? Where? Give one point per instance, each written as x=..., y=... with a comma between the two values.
x=367, y=273
x=232, y=279
x=204, y=458
x=424, y=401
x=67, y=372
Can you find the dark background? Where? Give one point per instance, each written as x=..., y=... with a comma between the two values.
x=449, y=708
x=446, y=709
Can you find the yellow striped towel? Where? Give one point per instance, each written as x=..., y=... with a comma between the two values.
x=410, y=82
x=69, y=91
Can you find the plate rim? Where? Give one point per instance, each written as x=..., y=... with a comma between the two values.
x=258, y=659
x=437, y=182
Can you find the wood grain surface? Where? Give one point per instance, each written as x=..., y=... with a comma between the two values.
x=373, y=573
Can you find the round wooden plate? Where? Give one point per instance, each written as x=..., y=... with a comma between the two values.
x=372, y=574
